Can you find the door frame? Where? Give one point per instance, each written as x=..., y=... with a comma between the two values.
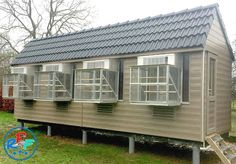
x=211, y=98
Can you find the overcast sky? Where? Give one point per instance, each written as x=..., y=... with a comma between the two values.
x=113, y=11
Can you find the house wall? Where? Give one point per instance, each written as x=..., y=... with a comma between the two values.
x=49, y=112
x=216, y=44
x=126, y=117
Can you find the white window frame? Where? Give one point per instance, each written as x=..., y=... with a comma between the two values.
x=24, y=70
x=59, y=67
x=106, y=63
x=171, y=58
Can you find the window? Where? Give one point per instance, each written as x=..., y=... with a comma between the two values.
x=211, y=85
x=155, y=85
x=121, y=78
x=18, y=70
x=96, y=85
x=52, y=67
x=97, y=64
x=185, y=90
x=157, y=59
x=55, y=86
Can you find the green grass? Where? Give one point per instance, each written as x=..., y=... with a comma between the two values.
x=233, y=123
x=233, y=105
x=69, y=150
x=233, y=120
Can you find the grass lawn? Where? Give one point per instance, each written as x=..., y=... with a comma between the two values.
x=233, y=119
x=233, y=105
x=62, y=149
x=233, y=123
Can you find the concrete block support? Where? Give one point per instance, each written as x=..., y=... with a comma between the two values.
x=84, y=137
x=49, y=130
x=22, y=124
x=131, y=145
x=196, y=154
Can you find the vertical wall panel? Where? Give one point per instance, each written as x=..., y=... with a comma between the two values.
x=216, y=44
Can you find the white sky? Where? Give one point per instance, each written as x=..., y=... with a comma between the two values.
x=113, y=11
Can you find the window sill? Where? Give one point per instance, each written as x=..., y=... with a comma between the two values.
x=185, y=103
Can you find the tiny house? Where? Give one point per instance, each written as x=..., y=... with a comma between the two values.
x=164, y=76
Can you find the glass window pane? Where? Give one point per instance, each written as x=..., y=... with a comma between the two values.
x=185, y=90
x=211, y=85
x=134, y=75
x=162, y=74
x=121, y=78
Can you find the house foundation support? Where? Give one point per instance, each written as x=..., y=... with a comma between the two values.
x=22, y=124
x=49, y=130
x=196, y=154
x=131, y=145
x=84, y=137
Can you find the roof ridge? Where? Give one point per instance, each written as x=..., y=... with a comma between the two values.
x=130, y=21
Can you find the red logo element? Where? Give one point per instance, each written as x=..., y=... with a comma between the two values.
x=20, y=136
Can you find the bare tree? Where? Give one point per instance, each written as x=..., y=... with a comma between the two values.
x=66, y=18
x=234, y=63
x=233, y=87
x=32, y=19
x=5, y=63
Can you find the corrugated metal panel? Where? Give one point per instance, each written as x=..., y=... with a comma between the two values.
x=148, y=34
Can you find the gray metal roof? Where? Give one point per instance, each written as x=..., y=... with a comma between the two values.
x=184, y=29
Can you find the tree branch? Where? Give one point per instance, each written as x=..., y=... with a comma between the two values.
x=31, y=21
x=9, y=43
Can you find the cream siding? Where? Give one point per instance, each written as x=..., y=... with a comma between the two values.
x=216, y=44
x=46, y=111
x=139, y=119
x=126, y=117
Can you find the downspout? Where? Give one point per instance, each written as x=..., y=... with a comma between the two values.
x=203, y=93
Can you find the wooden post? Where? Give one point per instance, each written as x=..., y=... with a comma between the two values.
x=131, y=145
x=196, y=154
x=84, y=137
x=49, y=130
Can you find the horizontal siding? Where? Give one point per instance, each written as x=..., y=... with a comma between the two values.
x=127, y=64
x=46, y=111
x=139, y=119
x=216, y=44
x=126, y=117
